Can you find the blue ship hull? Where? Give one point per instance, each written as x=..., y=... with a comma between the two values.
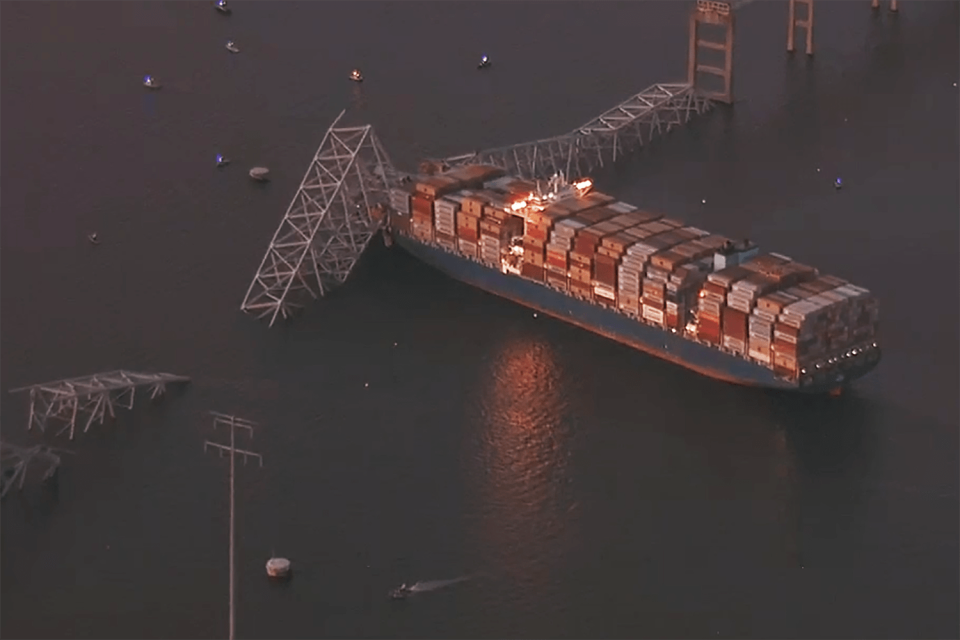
x=687, y=352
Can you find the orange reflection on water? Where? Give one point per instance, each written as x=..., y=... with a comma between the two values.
x=521, y=472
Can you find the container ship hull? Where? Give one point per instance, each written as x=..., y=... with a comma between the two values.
x=694, y=298
x=685, y=351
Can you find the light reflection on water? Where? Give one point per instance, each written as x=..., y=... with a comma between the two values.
x=518, y=475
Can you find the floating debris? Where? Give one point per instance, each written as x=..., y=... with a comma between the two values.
x=278, y=568
x=260, y=174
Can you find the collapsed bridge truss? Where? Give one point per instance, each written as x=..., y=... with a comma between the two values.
x=90, y=398
x=601, y=141
x=328, y=224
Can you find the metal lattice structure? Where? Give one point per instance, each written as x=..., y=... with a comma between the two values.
x=16, y=460
x=90, y=397
x=601, y=141
x=328, y=224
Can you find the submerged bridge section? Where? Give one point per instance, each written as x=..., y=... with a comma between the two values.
x=90, y=398
x=601, y=141
x=15, y=462
x=332, y=218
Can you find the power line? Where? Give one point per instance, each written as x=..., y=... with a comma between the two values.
x=232, y=423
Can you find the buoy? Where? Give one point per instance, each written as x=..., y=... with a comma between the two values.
x=278, y=568
x=704, y=201
x=534, y=315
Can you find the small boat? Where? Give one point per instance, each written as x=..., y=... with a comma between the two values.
x=356, y=76
x=231, y=47
x=150, y=82
x=838, y=184
x=484, y=62
x=401, y=592
x=260, y=174
x=222, y=7
x=92, y=237
x=221, y=161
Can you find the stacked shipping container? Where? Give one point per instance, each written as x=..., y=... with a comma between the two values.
x=767, y=308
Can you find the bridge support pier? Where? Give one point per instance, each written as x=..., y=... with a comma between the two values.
x=806, y=24
x=711, y=12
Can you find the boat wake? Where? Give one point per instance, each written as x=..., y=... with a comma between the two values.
x=433, y=585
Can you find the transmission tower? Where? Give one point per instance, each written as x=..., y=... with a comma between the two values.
x=328, y=224
x=232, y=423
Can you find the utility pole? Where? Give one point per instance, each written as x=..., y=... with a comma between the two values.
x=232, y=423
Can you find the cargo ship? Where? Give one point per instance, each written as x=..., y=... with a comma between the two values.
x=700, y=300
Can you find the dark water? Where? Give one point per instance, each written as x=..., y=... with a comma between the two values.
x=416, y=429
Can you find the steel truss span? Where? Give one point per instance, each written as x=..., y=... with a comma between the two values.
x=328, y=224
x=15, y=462
x=602, y=141
x=90, y=398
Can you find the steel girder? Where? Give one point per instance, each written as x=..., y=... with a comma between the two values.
x=15, y=461
x=606, y=138
x=94, y=396
x=328, y=224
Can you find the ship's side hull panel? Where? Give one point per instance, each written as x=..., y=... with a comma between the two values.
x=665, y=344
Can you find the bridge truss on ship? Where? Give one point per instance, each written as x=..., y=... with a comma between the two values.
x=601, y=141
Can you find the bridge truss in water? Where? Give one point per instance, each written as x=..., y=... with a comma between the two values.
x=331, y=220
x=15, y=462
x=90, y=398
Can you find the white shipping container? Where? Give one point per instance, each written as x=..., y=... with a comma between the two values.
x=734, y=344
x=700, y=232
x=621, y=207
x=568, y=224
x=446, y=205
x=653, y=315
x=760, y=356
x=605, y=292
x=763, y=314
